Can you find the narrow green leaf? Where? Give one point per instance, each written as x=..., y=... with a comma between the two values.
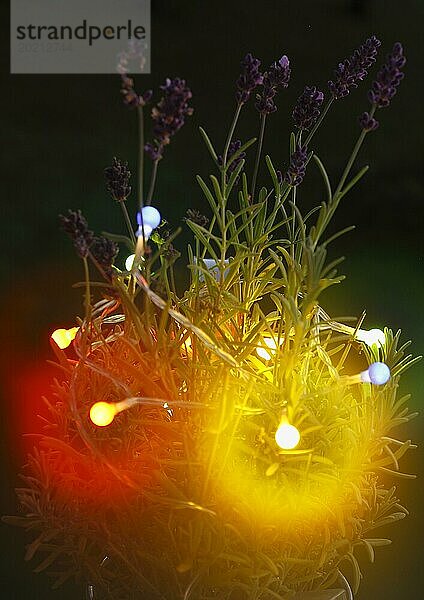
x=353, y=181
x=324, y=176
x=209, y=145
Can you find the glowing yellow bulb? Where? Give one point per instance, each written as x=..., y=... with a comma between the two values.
x=262, y=352
x=102, y=413
x=129, y=262
x=63, y=337
x=287, y=436
x=371, y=337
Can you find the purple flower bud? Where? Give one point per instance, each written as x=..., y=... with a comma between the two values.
x=104, y=251
x=297, y=168
x=196, y=217
x=76, y=226
x=279, y=73
x=307, y=110
x=367, y=122
x=117, y=180
x=153, y=152
x=232, y=149
x=250, y=77
x=354, y=69
x=388, y=78
x=169, y=115
x=279, y=176
x=277, y=76
x=131, y=98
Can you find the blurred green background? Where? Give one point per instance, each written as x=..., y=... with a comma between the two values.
x=59, y=132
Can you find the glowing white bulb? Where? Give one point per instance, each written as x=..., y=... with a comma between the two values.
x=371, y=337
x=129, y=262
x=150, y=216
x=144, y=229
x=272, y=345
x=287, y=436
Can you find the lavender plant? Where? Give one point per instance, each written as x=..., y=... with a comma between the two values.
x=202, y=445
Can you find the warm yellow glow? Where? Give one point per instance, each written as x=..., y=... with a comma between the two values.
x=371, y=337
x=272, y=345
x=102, y=413
x=287, y=436
x=129, y=262
x=63, y=337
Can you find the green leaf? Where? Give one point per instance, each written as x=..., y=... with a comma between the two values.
x=210, y=198
x=325, y=177
x=119, y=239
x=292, y=143
x=273, y=174
x=353, y=181
x=209, y=145
x=234, y=176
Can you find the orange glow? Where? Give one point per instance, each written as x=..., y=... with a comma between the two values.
x=102, y=413
x=63, y=337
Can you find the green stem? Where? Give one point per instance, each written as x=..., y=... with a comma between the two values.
x=320, y=120
x=87, y=298
x=293, y=232
x=140, y=115
x=227, y=145
x=352, y=157
x=224, y=190
x=152, y=182
x=87, y=304
x=127, y=220
x=337, y=195
x=258, y=156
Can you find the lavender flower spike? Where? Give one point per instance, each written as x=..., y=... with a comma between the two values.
x=169, y=115
x=277, y=76
x=367, y=122
x=307, y=110
x=117, y=180
x=249, y=78
x=354, y=69
x=76, y=226
x=232, y=149
x=297, y=168
x=104, y=251
x=130, y=96
x=388, y=78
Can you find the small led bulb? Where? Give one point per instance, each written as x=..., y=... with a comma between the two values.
x=371, y=337
x=377, y=373
x=262, y=352
x=64, y=337
x=146, y=230
x=150, y=216
x=129, y=262
x=287, y=436
x=102, y=413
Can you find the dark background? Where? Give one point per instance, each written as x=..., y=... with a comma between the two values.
x=59, y=132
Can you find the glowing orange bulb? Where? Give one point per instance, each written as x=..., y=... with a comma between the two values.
x=102, y=413
x=63, y=337
x=287, y=436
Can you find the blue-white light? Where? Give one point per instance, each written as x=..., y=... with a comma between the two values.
x=377, y=373
x=149, y=217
